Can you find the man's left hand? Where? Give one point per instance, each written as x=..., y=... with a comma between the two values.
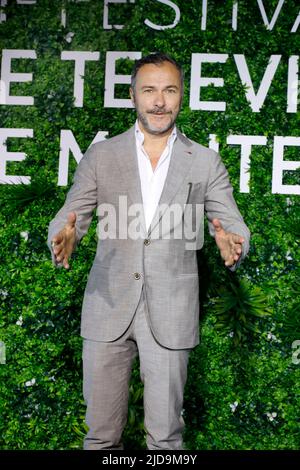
x=229, y=244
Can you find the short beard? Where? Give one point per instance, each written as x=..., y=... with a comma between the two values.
x=143, y=120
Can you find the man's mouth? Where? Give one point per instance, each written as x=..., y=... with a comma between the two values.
x=158, y=113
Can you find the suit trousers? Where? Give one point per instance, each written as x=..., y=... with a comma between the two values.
x=106, y=374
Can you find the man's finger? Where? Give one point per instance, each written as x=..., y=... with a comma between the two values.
x=236, y=239
x=65, y=262
x=57, y=247
x=57, y=250
x=60, y=254
x=229, y=262
x=57, y=239
x=236, y=247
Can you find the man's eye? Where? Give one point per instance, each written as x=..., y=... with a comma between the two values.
x=171, y=90
x=148, y=90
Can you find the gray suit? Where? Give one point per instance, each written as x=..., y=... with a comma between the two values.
x=168, y=270
x=163, y=267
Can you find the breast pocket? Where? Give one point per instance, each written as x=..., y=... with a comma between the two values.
x=196, y=193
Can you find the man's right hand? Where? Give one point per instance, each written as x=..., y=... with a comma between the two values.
x=63, y=242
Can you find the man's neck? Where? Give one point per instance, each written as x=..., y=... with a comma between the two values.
x=155, y=140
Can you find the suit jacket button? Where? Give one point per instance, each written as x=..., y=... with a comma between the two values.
x=147, y=242
x=137, y=276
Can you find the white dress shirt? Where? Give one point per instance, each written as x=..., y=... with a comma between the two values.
x=152, y=181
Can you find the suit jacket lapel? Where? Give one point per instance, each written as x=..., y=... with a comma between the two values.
x=181, y=161
x=129, y=170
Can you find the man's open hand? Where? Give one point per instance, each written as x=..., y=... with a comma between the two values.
x=229, y=244
x=64, y=241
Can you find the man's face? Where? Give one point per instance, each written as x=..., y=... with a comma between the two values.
x=157, y=97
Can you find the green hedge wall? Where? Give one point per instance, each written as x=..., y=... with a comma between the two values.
x=243, y=386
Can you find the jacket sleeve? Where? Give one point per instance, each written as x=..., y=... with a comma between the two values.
x=81, y=199
x=219, y=203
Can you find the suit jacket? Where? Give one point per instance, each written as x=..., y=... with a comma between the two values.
x=165, y=265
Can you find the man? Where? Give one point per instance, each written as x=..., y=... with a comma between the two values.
x=142, y=292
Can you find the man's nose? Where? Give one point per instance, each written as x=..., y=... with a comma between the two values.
x=159, y=99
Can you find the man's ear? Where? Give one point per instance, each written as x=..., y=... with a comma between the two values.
x=131, y=92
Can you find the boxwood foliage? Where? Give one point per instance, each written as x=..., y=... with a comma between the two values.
x=243, y=386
